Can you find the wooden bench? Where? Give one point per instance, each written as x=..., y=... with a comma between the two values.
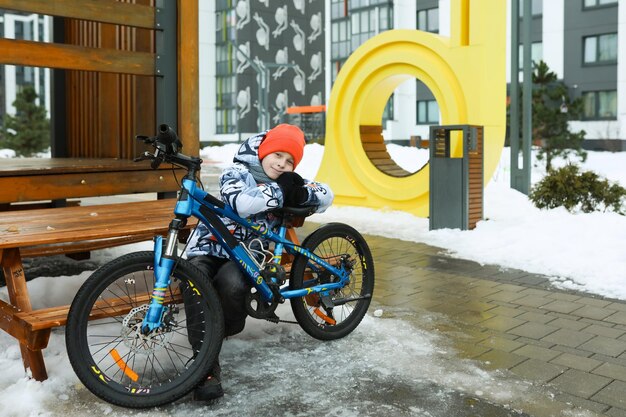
x=66, y=230
x=376, y=150
x=28, y=180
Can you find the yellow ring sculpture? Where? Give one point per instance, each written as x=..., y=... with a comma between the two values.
x=466, y=74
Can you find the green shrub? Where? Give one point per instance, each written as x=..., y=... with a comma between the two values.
x=578, y=191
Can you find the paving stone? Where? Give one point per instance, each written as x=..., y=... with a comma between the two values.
x=574, y=351
x=501, y=343
x=616, y=412
x=576, y=362
x=568, y=337
x=620, y=360
x=611, y=370
x=537, y=352
x=473, y=317
x=582, y=403
x=605, y=331
x=564, y=296
x=581, y=384
x=561, y=306
x=619, y=306
x=469, y=350
x=618, y=318
x=535, y=342
x=506, y=311
x=538, y=370
x=532, y=301
x=604, y=346
x=535, y=317
x=592, y=312
x=597, y=302
x=505, y=296
x=510, y=287
x=502, y=323
x=612, y=394
x=568, y=324
x=499, y=359
x=533, y=330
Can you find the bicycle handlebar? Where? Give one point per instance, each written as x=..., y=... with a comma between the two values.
x=167, y=144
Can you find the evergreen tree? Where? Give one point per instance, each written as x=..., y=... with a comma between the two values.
x=552, y=110
x=28, y=132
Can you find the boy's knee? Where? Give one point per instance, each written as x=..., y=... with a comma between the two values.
x=230, y=281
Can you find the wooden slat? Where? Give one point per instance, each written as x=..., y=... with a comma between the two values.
x=52, y=187
x=72, y=57
x=75, y=224
x=374, y=146
x=108, y=11
x=379, y=155
x=57, y=316
x=375, y=138
x=370, y=129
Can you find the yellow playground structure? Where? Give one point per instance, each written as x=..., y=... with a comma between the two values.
x=466, y=73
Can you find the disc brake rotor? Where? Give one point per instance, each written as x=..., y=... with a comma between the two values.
x=138, y=342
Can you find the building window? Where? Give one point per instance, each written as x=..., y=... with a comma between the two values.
x=338, y=9
x=536, y=54
x=600, y=105
x=588, y=4
x=427, y=112
x=600, y=49
x=428, y=20
x=536, y=8
x=364, y=20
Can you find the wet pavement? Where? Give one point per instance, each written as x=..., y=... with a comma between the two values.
x=450, y=338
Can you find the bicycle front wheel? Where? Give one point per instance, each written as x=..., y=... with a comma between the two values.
x=343, y=309
x=115, y=360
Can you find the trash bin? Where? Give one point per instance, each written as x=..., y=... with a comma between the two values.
x=456, y=181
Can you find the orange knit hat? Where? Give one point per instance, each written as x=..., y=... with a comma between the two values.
x=284, y=138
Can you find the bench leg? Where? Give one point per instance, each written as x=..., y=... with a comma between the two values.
x=18, y=295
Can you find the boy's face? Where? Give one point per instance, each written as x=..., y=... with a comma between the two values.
x=276, y=163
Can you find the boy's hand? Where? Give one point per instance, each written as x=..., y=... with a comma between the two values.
x=294, y=191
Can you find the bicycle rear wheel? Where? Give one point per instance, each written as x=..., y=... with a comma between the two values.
x=341, y=245
x=118, y=363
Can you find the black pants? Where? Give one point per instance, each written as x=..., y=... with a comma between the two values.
x=231, y=286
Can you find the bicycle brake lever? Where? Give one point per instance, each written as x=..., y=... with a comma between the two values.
x=146, y=139
x=143, y=157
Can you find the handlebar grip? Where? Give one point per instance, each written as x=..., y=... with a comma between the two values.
x=167, y=135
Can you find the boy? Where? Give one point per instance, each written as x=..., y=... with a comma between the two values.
x=262, y=178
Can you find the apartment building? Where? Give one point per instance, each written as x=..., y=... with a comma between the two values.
x=14, y=25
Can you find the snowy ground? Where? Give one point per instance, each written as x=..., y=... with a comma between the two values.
x=579, y=251
x=280, y=370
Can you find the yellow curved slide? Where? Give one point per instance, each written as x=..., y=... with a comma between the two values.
x=466, y=74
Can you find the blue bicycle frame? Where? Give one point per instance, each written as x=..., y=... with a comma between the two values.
x=194, y=201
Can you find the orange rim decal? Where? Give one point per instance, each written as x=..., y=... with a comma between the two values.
x=123, y=366
x=324, y=317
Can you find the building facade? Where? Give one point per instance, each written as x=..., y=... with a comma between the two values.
x=582, y=41
x=14, y=25
x=259, y=58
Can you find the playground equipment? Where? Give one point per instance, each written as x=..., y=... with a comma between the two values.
x=466, y=74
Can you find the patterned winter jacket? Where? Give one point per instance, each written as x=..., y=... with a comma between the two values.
x=250, y=199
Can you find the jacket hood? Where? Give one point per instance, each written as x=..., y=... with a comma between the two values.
x=248, y=152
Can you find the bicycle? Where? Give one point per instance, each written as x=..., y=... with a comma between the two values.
x=144, y=329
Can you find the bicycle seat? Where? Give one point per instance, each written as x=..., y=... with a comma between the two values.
x=295, y=211
x=294, y=216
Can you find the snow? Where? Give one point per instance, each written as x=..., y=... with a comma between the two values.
x=268, y=364
x=582, y=251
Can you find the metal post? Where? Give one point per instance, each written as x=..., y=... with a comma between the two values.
x=520, y=176
x=527, y=119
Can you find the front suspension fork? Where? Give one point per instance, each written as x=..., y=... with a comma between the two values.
x=164, y=263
